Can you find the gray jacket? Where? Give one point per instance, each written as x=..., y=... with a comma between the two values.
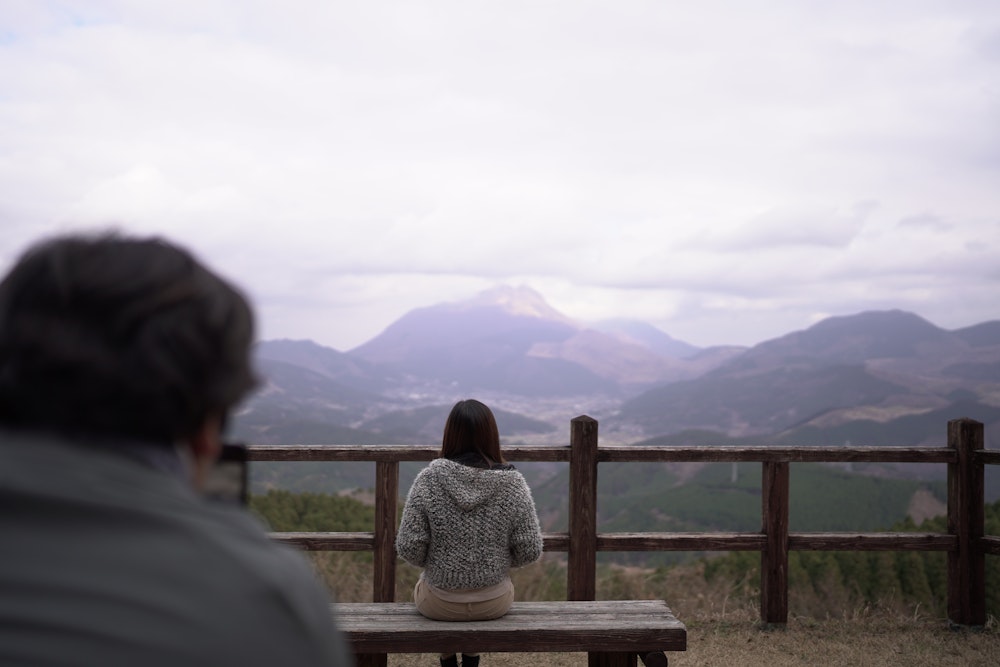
x=107, y=559
x=468, y=526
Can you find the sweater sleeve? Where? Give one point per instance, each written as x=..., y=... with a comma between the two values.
x=414, y=534
x=526, y=535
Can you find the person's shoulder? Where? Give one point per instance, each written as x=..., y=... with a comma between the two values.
x=428, y=475
x=518, y=483
x=265, y=588
x=509, y=471
x=242, y=552
x=433, y=469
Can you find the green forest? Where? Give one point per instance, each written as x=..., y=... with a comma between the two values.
x=284, y=511
x=636, y=497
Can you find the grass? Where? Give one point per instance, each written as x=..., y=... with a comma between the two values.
x=722, y=620
x=871, y=637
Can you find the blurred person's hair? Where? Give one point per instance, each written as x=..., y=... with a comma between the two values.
x=115, y=336
x=471, y=427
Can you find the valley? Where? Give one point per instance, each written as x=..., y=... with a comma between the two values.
x=873, y=378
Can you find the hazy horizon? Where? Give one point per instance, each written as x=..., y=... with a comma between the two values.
x=726, y=172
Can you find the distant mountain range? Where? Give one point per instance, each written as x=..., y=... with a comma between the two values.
x=540, y=368
x=871, y=367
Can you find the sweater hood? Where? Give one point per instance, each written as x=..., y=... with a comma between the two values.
x=469, y=487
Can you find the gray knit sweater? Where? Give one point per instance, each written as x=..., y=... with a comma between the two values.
x=468, y=526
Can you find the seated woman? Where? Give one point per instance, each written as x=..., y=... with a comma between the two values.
x=468, y=519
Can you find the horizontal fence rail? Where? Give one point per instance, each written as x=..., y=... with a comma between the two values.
x=624, y=454
x=965, y=542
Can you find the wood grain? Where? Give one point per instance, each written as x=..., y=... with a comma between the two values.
x=636, y=626
x=581, y=568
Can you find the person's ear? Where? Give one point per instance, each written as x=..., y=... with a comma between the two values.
x=205, y=445
x=206, y=442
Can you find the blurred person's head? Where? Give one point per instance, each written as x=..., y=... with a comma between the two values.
x=471, y=427
x=121, y=338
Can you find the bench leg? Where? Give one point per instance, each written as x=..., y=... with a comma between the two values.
x=611, y=660
x=655, y=659
x=372, y=659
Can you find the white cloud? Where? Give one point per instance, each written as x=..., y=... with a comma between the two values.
x=680, y=162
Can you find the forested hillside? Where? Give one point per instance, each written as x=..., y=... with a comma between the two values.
x=726, y=497
x=820, y=583
x=284, y=511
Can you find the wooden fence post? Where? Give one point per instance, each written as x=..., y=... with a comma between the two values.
x=966, y=520
x=384, y=587
x=774, y=556
x=581, y=570
x=386, y=499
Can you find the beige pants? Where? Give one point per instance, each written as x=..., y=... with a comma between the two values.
x=435, y=608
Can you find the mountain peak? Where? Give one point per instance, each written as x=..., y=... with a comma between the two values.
x=521, y=301
x=854, y=339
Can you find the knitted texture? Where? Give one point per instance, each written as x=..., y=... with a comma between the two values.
x=468, y=526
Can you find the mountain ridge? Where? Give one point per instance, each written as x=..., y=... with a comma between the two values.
x=890, y=360
x=510, y=348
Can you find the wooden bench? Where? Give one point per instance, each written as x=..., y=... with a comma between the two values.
x=614, y=632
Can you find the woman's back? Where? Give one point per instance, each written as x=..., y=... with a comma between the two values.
x=468, y=525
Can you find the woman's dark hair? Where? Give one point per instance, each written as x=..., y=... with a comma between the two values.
x=471, y=427
x=123, y=337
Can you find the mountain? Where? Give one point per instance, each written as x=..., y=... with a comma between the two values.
x=510, y=340
x=648, y=336
x=502, y=343
x=856, y=339
x=741, y=403
x=338, y=366
x=285, y=381
x=425, y=424
x=981, y=335
x=299, y=405
x=630, y=365
x=879, y=365
x=925, y=428
x=521, y=301
x=509, y=347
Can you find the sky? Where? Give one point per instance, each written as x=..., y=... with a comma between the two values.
x=726, y=171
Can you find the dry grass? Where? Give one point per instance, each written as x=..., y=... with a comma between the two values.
x=723, y=622
x=870, y=639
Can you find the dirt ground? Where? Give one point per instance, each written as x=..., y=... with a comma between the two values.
x=862, y=641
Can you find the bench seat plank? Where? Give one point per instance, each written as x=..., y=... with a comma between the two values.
x=639, y=626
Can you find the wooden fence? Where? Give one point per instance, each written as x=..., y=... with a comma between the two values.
x=965, y=542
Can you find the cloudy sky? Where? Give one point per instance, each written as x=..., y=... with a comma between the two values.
x=728, y=171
